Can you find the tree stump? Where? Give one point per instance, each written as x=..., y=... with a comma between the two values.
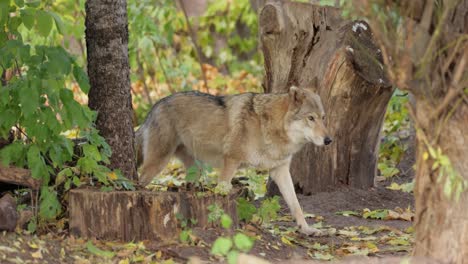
x=141, y=214
x=301, y=41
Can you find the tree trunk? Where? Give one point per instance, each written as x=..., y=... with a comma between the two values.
x=301, y=41
x=427, y=54
x=108, y=70
x=441, y=220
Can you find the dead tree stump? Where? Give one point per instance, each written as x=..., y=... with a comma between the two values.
x=301, y=41
x=141, y=214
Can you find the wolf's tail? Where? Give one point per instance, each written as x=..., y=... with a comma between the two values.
x=139, y=145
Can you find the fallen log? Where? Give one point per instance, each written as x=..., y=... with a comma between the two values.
x=141, y=214
x=18, y=176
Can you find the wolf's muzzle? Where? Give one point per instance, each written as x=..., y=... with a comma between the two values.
x=327, y=141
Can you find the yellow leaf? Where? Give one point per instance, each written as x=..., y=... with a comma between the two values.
x=37, y=254
x=124, y=261
x=158, y=254
x=372, y=247
x=33, y=245
x=286, y=241
x=112, y=176
x=425, y=155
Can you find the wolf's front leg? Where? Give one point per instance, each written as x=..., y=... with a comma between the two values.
x=224, y=181
x=283, y=179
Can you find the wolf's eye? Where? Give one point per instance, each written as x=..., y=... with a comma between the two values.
x=311, y=118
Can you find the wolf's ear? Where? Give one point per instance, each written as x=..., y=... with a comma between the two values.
x=296, y=95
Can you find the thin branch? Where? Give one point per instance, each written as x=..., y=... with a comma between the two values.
x=193, y=37
x=18, y=70
x=142, y=77
x=168, y=81
x=3, y=77
x=435, y=36
x=454, y=89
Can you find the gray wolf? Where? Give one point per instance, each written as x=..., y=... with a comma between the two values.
x=233, y=131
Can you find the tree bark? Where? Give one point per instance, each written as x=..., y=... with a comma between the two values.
x=140, y=215
x=108, y=70
x=441, y=224
x=442, y=119
x=18, y=176
x=301, y=41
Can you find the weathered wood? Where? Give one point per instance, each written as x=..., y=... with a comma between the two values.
x=8, y=213
x=141, y=214
x=197, y=207
x=18, y=176
x=301, y=41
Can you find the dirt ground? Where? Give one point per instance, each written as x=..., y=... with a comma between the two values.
x=353, y=235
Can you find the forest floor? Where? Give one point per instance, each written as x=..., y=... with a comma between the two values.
x=277, y=242
x=374, y=223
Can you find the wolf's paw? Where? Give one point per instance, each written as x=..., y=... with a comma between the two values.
x=223, y=188
x=310, y=231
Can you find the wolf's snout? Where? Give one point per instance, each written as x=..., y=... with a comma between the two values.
x=327, y=140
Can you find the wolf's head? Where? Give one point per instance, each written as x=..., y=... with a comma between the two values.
x=306, y=118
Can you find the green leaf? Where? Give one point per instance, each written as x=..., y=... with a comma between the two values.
x=92, y=152
x=192, y=174
x=27, y=15
x=58, y=22
x=62, y=175
x=243, y=242
x=184, y=236
x=99, y=252
x=12, y=153
x=347, y=213
x=34, y=4
x=4, y=9
x=322, y=256
x=44, y=23
x=32, y=225
x=29, y=99
x=8, y=118
x=245, y=209
x=226, y=221
x=269, y=209
x=232, y=257
x=81, y=78
x=36, y=164
x=19, y=3
x=87, y=165
x=76, y=181
x=49, y=207
x=221, y=246
x=376, y=214
x=215, y=212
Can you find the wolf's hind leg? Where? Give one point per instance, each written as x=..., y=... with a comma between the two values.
x=283, y=179
x=182, y=154
x=157, y=152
